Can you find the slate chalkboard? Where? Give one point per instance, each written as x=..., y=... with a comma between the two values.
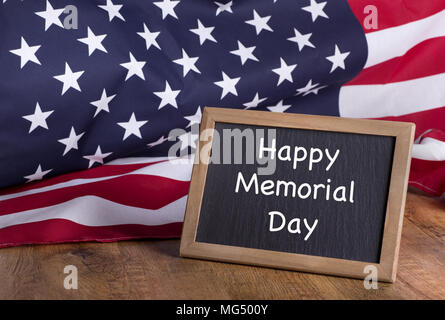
x=344, y=230
x=329, y=195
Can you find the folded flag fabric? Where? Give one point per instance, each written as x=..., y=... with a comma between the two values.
x=87, y=83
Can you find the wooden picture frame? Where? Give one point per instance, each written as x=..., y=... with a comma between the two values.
x=387, y=267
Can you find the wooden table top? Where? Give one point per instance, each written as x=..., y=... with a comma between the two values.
x=150, y=269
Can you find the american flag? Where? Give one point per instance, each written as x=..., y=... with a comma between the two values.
x=90, y=89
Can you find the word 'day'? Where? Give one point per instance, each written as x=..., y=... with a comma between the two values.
x=294, y=225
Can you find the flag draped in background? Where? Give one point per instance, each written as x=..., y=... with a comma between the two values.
x=110, y=89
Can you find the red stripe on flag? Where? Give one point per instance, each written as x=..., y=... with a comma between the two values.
x=392, y=13
x=435, y=134
x=142, y=191
x=424, y=60
x=59, y=230
x=428, y=176
x=424, y=120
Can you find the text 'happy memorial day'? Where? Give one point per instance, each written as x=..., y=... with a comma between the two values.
x=304, y=159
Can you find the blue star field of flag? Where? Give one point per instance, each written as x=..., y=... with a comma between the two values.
x=133, y=70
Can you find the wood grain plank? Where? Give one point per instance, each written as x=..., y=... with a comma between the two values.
x=152, y=269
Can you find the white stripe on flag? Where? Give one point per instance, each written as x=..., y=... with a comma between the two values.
x=394, y=99
x=394, y=42
x=429, y=149
x=135, y=160
x=173, y=169
x=95, y=211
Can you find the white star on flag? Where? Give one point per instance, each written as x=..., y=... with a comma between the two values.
x=301, y=39
x=38, y=118
x=51, y=16
x=98, y=157
x=167, y=7
x=260, y=23
x=134, y=68
x=69, y=79
x=255, y=102
x=224, y=7
x=244, y=53
x=112, y=10
x=26, y=53
x=279, y=107
x=204, y=33
x=93, y=42
x=188, y=63
x=72, y=141
x=338, y=59
x=315, y=90
x=194, y=119
x=161, y=140
x=168, y=96
x=309, y=88
x=102, y=103
x=132, y=127
x=149, y=37
x=316, y=10
x=228, y=85
x=305, y=90
x=37, y=175
x=284, y=71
